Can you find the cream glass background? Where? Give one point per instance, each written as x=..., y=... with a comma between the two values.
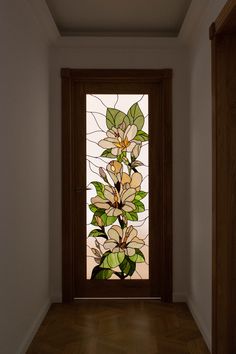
x=96, y=106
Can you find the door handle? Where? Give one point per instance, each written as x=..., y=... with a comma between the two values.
x=81, y=189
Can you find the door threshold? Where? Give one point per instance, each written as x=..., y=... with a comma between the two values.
x=117, y=298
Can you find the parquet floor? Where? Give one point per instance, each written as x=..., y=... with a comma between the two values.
x=118, y=327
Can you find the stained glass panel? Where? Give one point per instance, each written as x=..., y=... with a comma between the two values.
x=117, y=186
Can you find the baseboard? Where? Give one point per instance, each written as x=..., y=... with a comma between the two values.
x=179, y=297
x=200, y=323
x=34, y=328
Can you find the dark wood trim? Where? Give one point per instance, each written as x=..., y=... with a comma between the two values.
x=166, y=289
x=67, y=240
x=225, y=22
x=134, y=75
x=214, y=160
x=164, y=80
x=223, y=35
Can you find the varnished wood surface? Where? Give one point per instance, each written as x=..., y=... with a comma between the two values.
x=224, y=181
x=76, y=83
x=118, y=327
x=225, y=22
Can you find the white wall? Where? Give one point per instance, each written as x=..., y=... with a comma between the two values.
x=24, y=149
x=24, y=186
x=200, y=247
x=125, y=53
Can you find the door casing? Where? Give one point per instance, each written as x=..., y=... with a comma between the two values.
x=223, y=36
x=161, y=78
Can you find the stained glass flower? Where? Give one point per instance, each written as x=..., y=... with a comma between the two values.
x=123, y=240
x=115, y=169
x=133, y=181
x=136, y=150
x=119, y=140
x=114, y=203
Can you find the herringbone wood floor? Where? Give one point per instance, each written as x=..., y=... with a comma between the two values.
x=118, y=327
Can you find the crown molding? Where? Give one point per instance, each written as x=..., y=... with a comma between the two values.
x=44, y=19
x=119, y=43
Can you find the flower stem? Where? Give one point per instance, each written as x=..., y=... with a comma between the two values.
x=121, y=222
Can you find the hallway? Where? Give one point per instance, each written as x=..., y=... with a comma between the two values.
x=118, y=327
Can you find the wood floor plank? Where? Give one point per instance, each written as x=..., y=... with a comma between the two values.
x=118, y=327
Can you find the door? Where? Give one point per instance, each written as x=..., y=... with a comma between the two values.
x=117, y=203
x=223, y=36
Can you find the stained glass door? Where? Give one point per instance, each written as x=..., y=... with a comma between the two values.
x=117, y=186
x=118, y=200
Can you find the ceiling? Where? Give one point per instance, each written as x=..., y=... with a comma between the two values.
x=123, y=17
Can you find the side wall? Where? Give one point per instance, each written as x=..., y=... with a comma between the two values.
x=200, y=251
x=24, y=187
x=125, y=53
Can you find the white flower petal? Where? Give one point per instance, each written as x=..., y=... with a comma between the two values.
x=130, y=251
x=136, y=180
x=109, y=211
x=110, y=134
x=131, y=147
x=113, y=212
x=136, y=150
x=116, y=250
x=102, y=205
x=117, y=212
x=131, y=132
x=113, y=177
x=136, y=243
x=118, y=229
x=106, y=143
x=132, y=235
x=128, y=206
x=116, y=151
x=121, y=133
x=125, y=178
x=109, y=194
x=109, y=245
x=115, y=232
x=128, y=195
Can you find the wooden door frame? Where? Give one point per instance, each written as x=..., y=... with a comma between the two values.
x=223, y=32
x=161, y=77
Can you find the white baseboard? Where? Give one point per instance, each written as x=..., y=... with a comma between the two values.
x=200, y=323
x=179, y=297
x=34, y=328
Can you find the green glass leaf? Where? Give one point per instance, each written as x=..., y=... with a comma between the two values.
x=113, y=260
x=127, y=121
x=140, y=195
x=107, y=153
x=139, y=206
x=97, y=233
x=133, y=216
x=99, y=212
x=120, y=157
x=128, y=266
x=101, y=274
x=94, y=221
x=141, y=136
x=136, y=116
x=93, y=208
x=114, y=117
x=108, y=220
x=99, y=189
x=138, y=257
